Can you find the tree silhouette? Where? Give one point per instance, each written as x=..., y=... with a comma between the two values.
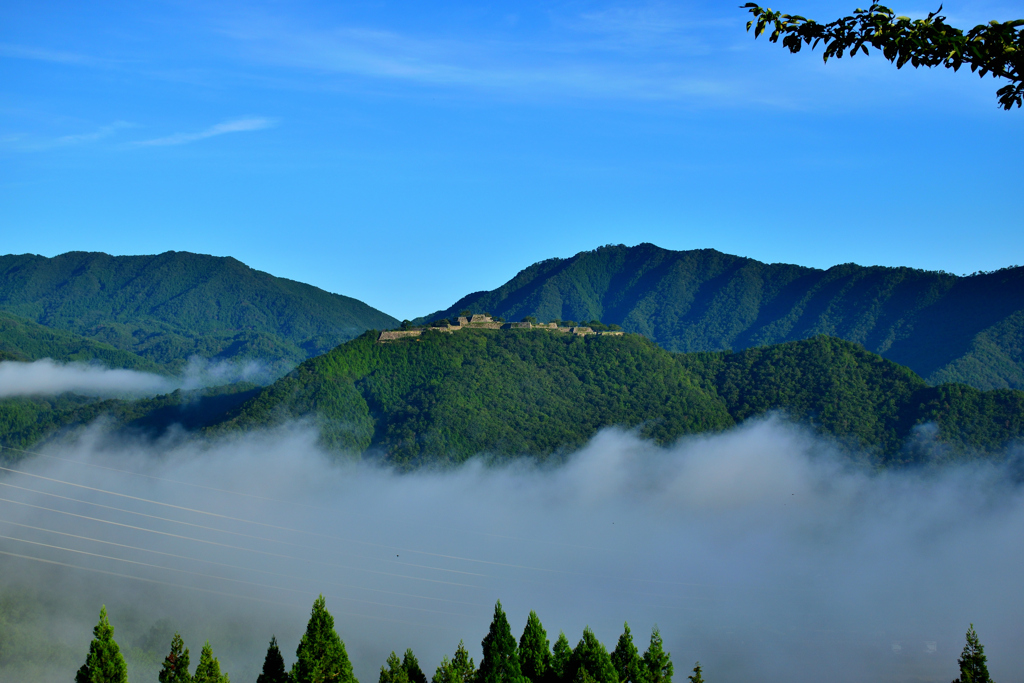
x=996, y=48
x=273, y=665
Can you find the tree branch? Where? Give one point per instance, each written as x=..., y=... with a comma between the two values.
x=996, y=48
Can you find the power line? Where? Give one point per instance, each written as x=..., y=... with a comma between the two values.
x=207, y=590
x=216, y=577
x=336, y=538
x=285, y=502
x=233, y=566
x=226, y=531
x=235, y=547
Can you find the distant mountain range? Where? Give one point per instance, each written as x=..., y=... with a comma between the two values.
x=944, y=327
x=165, y=308
x=443, y=397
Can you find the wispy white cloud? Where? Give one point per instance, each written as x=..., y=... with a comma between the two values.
x=98, y=134
x=638, y=28
x=236, y=126
x=579, y=64
x=47, y=378
x=27, y=143
x=54, y=56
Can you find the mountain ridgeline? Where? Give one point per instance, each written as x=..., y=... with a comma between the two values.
x=441, y=398
x=944, y=327
x=445, y=396
x=162, y=309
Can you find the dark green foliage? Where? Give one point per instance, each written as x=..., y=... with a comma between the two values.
x=626, y=659
x=657, y=662
x=996, y=48
x=394, y=672
x=866, y=401
x=973, y=663
x=583, y=676
x=590, y=655
x=500, y=661
x=824, y=381
x=446, y=397
x=208, y=668
x=104, y=663
x=25, y=421
x=442, y=398
x=458, y=669
x=412, y=668
x=321, y=655
x=175, y=668
x=273, y=665
x=535, y=650
x=23, y=340
x=944, y=327
x=696, y=676
x=171, y=306
x=969, y=420
x=561, y=653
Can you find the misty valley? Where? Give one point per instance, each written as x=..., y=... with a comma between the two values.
x=760, y=466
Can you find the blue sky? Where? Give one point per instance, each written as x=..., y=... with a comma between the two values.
x=409, y=153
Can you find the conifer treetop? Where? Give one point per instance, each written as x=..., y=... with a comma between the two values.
x=657, y=661
x=274, y=670
x=320, y=656
x=561, y=653
x=590, y=654
x=104, y=663
x=626, y=659
x=500, y=662
x=973, y=663
x=534, y=650
x=208, y=668
x=176, y=663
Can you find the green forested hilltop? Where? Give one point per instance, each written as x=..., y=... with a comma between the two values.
x=868, y=402
x=445, y=397
x=944, y=327
x=24, y=340
x=170, y=306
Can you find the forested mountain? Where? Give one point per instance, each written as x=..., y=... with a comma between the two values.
x=170, y=306
x=24, y=340
x=944, y=327
x=445, y=397
x=25, y=421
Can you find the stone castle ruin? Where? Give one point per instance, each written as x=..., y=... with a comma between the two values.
x=485, y=322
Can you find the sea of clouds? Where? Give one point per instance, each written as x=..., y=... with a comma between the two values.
x=758, y=552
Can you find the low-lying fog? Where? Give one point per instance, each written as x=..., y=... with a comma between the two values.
x=47, y=377
x=755, y=551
